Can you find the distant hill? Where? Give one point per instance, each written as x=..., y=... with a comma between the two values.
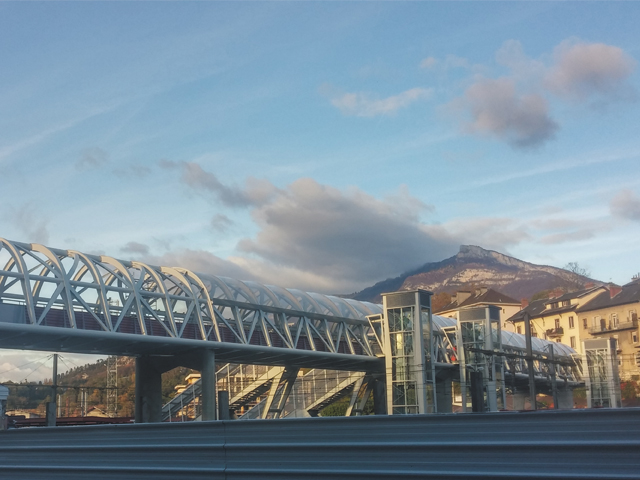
x=475, y=266
x=92, y=378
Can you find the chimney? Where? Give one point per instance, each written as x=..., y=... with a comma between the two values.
x=524, y=303
x=557, y=292
x=462, y=296
x=614, y=290
x=481, y=291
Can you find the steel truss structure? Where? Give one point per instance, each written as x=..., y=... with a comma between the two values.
x=77, y=291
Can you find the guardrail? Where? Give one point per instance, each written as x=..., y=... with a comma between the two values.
x=584, y=444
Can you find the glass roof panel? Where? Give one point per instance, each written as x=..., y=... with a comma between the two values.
x=241, y=292
x=287, y=300
x=217, y=288
x=307, y=302
x=328, y=307
x=363, y=308
x=346, y=310
x=263, y=294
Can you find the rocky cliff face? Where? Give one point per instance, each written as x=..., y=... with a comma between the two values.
x=475, y=266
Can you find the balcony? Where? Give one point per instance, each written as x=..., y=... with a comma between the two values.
x=555, y=332
x=605, y=327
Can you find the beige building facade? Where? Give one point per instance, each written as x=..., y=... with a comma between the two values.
x=599, y=312
x=557, y=319
x=614, y=314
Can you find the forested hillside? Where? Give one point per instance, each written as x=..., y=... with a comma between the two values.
x=92, y=380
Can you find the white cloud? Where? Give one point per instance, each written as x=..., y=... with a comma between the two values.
x=366, y=105
x=565, y=237
x=201, y=261
x=428, y=62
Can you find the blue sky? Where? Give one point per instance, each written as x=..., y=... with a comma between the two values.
x=323, y=145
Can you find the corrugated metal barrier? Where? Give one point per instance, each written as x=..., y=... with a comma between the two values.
x=578, y=444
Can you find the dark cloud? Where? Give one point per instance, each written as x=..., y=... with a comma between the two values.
x=200, y=180
x=494, y=108
x=626, y=205
x=92, y=158
x=320, y=229
x=136, y=248
x=221, y=223
x=320, y=238
x=582, y=70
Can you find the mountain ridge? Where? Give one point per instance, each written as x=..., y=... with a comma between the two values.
x=475, y=266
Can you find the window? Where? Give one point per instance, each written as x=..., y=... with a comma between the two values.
x=614, y=320
x=596, y=321
x=571, y=324
x=573, y=342
x=519, y=329
x=584, y=323
x=634, y=337
x=633, y=316
x=565, y=303
x=557, y=340
x=557, y=323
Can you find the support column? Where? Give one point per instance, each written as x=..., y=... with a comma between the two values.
x=208, y=380
x=444, y=398
x=379, y=397
x=518, y=400
x=477, y=392
x=4, y=395
x=51, y=407
x=148, y=391
x=223, y=405
x=565, y=398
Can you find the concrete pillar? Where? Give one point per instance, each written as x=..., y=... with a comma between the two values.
x=148, y=391
x=379, y=397
x=477, y=392
x=50, y=414
x=223, y=405
x=518, y=400
x=565, y=398
x=208, y=381
x=4, y=395
x=444, y=398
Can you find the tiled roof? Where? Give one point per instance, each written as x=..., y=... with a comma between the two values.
x=534, y=309
x=490, y=296
x=630, y=293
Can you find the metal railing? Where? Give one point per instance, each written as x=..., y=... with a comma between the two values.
x=612, y=327
x=578, y=444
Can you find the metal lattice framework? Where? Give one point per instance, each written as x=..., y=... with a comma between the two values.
x=78, y=291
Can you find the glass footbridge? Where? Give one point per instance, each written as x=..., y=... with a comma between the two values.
x=69, y=301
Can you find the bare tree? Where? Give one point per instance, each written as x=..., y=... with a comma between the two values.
x=575, y=267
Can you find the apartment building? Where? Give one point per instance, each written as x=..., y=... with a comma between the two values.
x=614, y=314
x=557, y=318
